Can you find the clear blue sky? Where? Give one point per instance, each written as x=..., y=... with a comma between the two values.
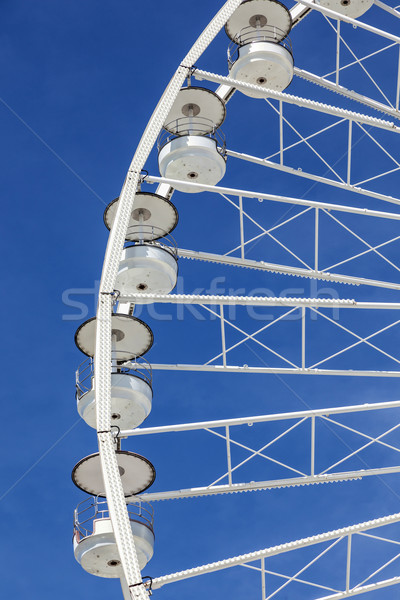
x=79, y=81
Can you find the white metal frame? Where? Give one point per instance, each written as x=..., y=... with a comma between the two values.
x=318, y=208
x=309, y=419
x=131, y=583
x=112, y=480
x=313, y=307
x=344, y=536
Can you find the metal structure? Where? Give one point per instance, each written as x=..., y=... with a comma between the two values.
x=320, y=335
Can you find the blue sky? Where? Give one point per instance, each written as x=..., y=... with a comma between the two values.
x=78, y=84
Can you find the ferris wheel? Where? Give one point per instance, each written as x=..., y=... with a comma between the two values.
x=312, y=96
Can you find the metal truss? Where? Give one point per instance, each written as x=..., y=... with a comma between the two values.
x=353, y=578
x=257, y=195
x=299, y=101
x=385, y=105
x=312, y=307
x=387, y=8
x=360, y=63
x=314, y=211
x=131, y=580
x=333, y=85
x=343, y=91
x=132, y=584
x=343, y=118
x=356, y=22
x=308, y=426
x=283, y=269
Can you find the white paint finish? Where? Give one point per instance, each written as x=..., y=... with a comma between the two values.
x=299, y=101
x=191, y=158
x=276, y=550
x=264, y=418
x=349, y=8
x=160, y=214
x=263, y=64
x=284, y=269
x=343, y=91
x=131, y=400
x=135, y=471
x=95, y=552
x=133, y=337
x=149, y=268
x=206, y=105
x=278, y=371
x=275, y=13
x=335, y=15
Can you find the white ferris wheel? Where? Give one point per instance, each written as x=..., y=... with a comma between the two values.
x=282, y=163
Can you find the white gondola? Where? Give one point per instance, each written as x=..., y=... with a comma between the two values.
x=192, y=147
x=131, y=388
x=148, y=267
x=131, y=392
x=149, y=260
x=261, y=52
x=94, y=542
x=349, y=8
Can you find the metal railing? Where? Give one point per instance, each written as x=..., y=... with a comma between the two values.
x=149, y=235
x=95, y=508
x=136, y=367
x=196, y=126
x=250, y=35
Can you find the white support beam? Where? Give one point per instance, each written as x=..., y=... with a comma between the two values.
x=398, y=82
x=328, y=109
x=359, y=62
x=372, y=587
x=259, y=301
x=316, y=238
x=272, y=370
x=165, y=190
x=387, y=8
x=228, y=454
x=312, y=466
x=348, y=562
x=349, y=152
x=303, y=337
x=263, y=578
x=284, y=270
x=241, y=227
x=343, y=91
x=337, y=53
x=276, y=550
x=299, y=417
x=355, y=22
x=301, y=414
x=262, y=301
x=253, y=486
x=306, y=175
x=281, y=148
x=223, y=343
x=260, y=196
x=298, y=12
x=125, y=589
